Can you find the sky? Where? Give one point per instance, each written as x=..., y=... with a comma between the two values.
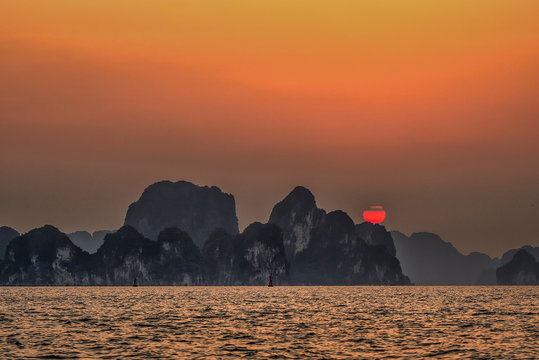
x=428, y=108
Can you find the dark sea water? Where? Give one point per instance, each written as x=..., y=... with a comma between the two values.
x=261, y=322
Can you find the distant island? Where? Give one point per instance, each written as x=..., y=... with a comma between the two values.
x=179, y=233
x=428, y=260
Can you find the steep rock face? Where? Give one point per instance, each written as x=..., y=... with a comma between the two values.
x=198, y=210
x=428, y=260
x=326, y=249
x=246, y=259
x=44, y=256
x=336, y=255
x=375, y=234
x=180, y=261
x=324, y=261
x=263, y=254
x=297, y=214
x=220, y=252
x=6, y=235
x=125, y=255
x=523, y=269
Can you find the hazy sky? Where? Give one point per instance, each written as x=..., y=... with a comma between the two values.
x=429, y=108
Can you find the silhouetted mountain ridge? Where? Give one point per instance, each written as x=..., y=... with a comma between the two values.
x=46, y=256
x=325, y=248
x=429, y=260
x=522, y=269
x=301, y=244
x=198, y=210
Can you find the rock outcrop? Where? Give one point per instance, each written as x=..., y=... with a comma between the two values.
x=6, y=235
x=197, y=210
x=248, y=258
x=375, y=234
x=428, y=260
x=125, y=255
x=44, y=256
x=488, y=275
x=326, y=249
x=523, y=269
x=297, y=214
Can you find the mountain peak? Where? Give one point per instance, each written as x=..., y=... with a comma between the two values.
x=300, y=195
x=197, y=210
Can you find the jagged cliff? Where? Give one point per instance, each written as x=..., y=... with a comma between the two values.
x=44, y=256
x=301, y=244
x=522, y=269
x=197, y=210
x=429, y=260
x=248, y=258
x=171, y=260
x=375, y=234
x=297, y=214
x=327, y=249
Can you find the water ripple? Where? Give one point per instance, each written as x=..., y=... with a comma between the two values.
x=260, y=322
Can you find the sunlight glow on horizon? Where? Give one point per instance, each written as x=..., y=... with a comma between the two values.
x=379, y=99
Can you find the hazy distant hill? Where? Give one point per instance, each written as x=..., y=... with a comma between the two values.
x=508, y=255
x=490, y=272
x=89, y=242
x=197, y=210
x=428, y=260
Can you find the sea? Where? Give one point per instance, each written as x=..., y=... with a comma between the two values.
x=352, y=322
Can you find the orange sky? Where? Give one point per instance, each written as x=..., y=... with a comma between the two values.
x=429, y=108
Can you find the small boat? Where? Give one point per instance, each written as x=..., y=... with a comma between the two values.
x=270, y=282
x=135, y=282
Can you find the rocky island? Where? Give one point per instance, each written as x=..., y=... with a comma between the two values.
x=183, y=234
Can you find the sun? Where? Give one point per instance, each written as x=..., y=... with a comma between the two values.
x=375, y=214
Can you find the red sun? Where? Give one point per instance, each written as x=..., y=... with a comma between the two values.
x=375, y=214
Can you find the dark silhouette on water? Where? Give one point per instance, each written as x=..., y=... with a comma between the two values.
x=270, y=283
x=197, y=210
